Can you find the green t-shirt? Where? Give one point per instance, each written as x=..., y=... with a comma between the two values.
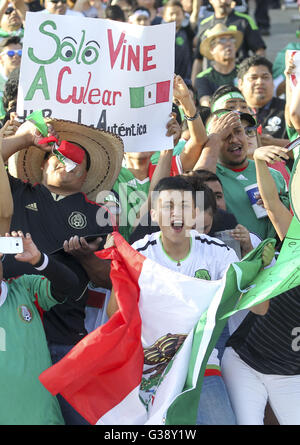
x=176, y=151
x=132, y=194
x=237, y=200
x=24, y=354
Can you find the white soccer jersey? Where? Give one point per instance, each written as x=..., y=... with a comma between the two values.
x=208, y=257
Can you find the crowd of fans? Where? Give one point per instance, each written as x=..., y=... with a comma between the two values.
x=233, y=115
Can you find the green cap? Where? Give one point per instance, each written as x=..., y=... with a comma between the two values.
x=220, y=102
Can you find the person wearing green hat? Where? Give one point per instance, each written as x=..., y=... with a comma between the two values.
x=229, y=97
x=226, y=154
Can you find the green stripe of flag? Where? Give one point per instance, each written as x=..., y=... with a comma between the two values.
x=284, y=275
x=137, y=97
x=183, y=410
x=265, y=284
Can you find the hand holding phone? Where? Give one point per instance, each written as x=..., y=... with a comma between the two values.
x=11, y=244
x=22, y=246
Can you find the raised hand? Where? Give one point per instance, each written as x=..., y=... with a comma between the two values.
x=180, y=89
x=32, y=135
x=224, y=124
x=270, y=154
x=31, y=253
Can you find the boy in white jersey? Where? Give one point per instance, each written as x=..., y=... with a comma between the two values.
x=177, y=246
x=180, y=248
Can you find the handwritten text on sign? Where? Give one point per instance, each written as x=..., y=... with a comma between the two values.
x=117, y=77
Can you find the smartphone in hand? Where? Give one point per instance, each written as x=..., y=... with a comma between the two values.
x=11, y=244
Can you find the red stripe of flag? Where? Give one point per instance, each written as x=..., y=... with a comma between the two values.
x=163, y=91
x=105, y=366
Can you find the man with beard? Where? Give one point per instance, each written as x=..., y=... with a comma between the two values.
x=220, y=46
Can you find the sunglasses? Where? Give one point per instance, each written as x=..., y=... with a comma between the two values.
x=12, y=52
x=222, y=41
x=57, y=1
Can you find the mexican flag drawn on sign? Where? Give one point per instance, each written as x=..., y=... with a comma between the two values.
x=154, y=93
x=146, y=364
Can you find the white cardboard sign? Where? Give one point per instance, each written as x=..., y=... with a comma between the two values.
x=115, y=76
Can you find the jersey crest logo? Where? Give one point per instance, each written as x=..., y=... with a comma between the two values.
x=202, y=274
x=32, y=206
x=273, y=124
x=25, y=313
x=77, y=220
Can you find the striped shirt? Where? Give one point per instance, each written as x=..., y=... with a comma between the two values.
x=270, y=344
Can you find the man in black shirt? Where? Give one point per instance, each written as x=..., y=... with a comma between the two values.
x=220, y=46
x=223, y=13
x=173, y=11
x=60, y=205
x=256, y=84
x=262, y=361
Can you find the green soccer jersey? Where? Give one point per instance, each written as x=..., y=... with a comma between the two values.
x=237, y=200
x=24, y=354
x=132, y=194
x=176, y=151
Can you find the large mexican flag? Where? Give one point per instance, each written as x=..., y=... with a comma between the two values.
x=146, y=364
